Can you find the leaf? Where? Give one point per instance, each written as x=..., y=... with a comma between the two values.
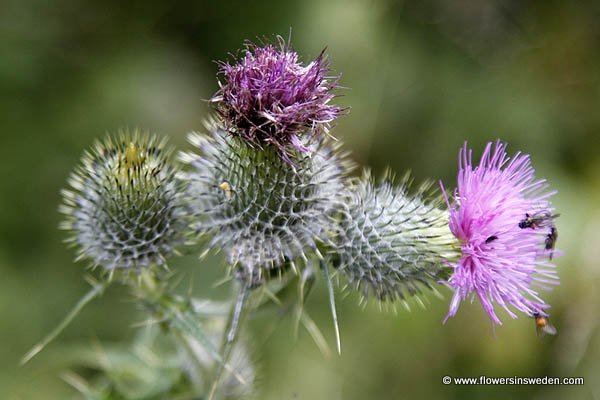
x=186, y=323
x=315, y=333
x=305, y=286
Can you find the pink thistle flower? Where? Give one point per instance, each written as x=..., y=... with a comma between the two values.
x=502, y=216
x=270, y=98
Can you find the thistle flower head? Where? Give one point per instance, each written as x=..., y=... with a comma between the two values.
x=503, y=255
x=271, y=98
x=393, y=243
x=256, y=209
x=124, y=207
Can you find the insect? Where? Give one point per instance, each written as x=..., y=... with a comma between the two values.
x=491, y=239
x=131, y=159
x=226, y=188
x=543, y=326
x=551, y=240
x=133, y=156
x=536, y=220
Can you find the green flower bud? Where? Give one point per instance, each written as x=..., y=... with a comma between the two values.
x=391, y=244
x=257, y=208
x=124, y=207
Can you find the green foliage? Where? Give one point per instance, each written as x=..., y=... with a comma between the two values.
x=157, y=366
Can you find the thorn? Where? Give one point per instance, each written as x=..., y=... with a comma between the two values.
x=96, y=291
x=338, y=341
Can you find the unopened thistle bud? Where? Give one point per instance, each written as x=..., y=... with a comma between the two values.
x=257, y=209
x=271, y=98
x=124, y=207
x=392, y=244
x=503, y=218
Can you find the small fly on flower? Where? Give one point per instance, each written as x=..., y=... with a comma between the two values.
x=543, y=326
x=550, y=241
x=537, y=220
x=491, y=239
x=226, y=188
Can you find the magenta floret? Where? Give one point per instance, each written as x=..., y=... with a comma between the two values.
x=271, y=98
x=504, y=256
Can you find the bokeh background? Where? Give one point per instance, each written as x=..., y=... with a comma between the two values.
x=422, y=78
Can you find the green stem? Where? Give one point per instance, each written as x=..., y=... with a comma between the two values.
x=231, y=331
x=236, y=316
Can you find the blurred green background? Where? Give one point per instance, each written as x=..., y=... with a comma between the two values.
x=423, y=77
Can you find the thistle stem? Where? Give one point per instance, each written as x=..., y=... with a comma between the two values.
x=237, y=314
x=231, y=331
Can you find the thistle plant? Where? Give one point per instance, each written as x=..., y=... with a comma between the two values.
x=267, y=187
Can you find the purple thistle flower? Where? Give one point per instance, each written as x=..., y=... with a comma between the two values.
x=501, y=214
x=269, y=97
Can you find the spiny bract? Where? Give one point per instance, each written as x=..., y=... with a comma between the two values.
x=391, y=243
x=257, y=209
x=125, y=208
